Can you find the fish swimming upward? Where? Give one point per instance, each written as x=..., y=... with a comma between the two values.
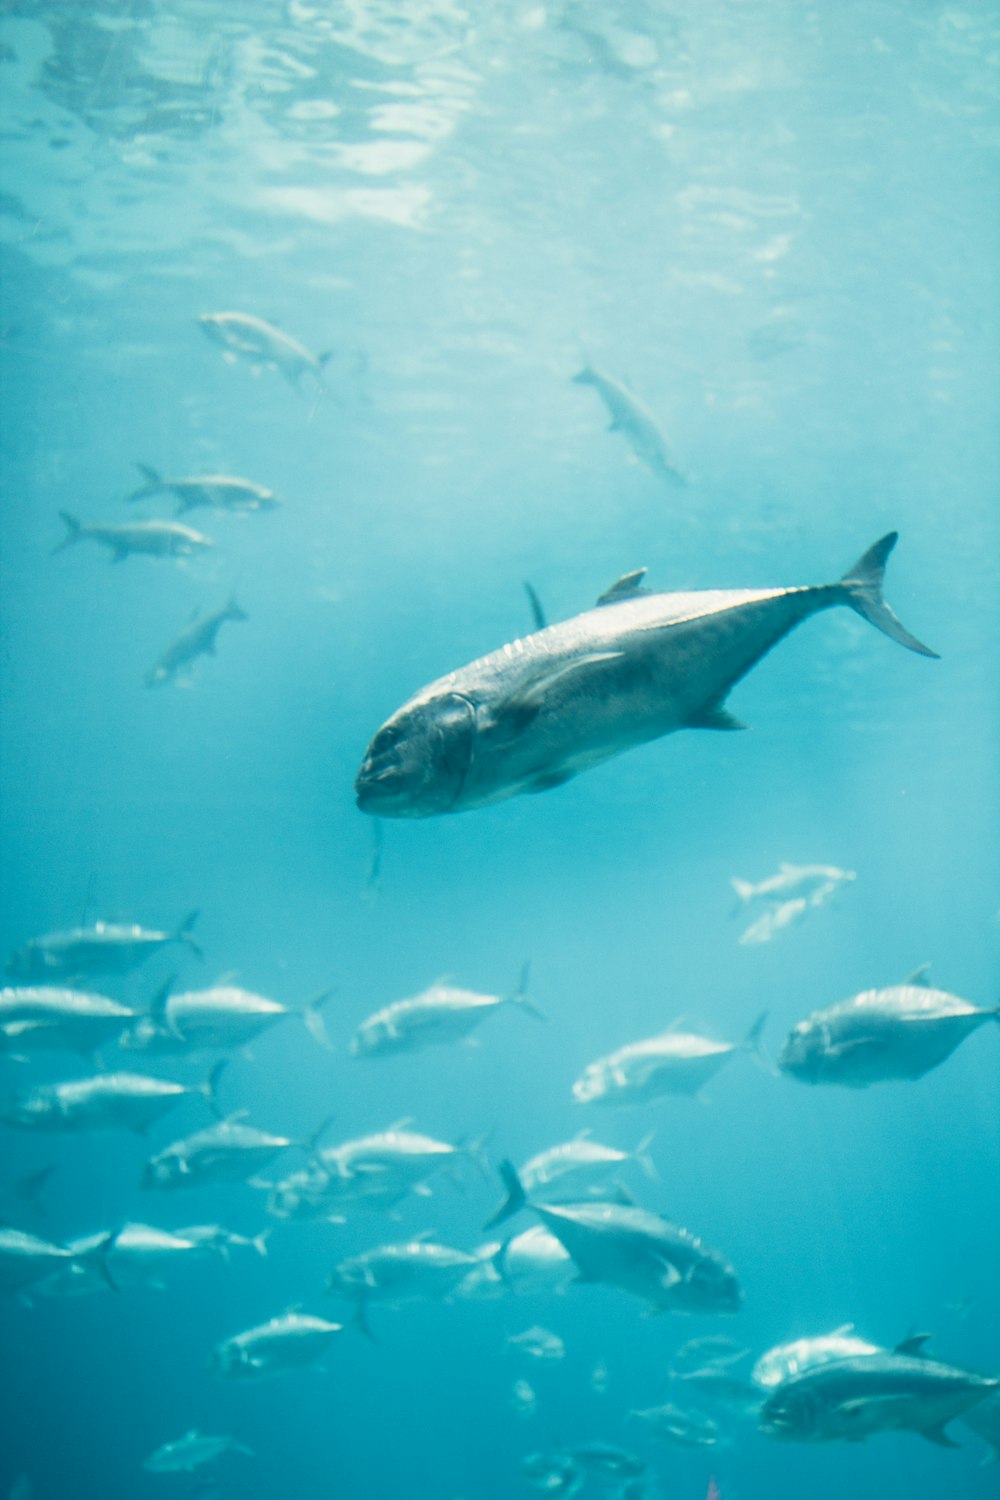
x=534, y=714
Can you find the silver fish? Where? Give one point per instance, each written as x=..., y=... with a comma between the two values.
x=580, y=1166
x=104, y=948
x=775, y=919
x=106, y=1101
x=523, y=1398
x=224, y=1015
x=637, y=1251
x=243, y=336
x=711, y=1349
x=196, y=639
x=537, y=712
x=634, y=420
x=46, y=1017
x=851, y=1399
x=418, y=1269
x=528, y=1263
x=607, y=1458
x=211, y=491
x=787, y=1360
x=438, y=1015
x=227, y=1152
x=192, y=1451
x=676, y=1062
x=395, y=1158
x=125, y=539
x=284, y=1343
x=687, y=1429
x=25, y=1258
x=539, y=1343
x=807, y=881
x=897, y=1033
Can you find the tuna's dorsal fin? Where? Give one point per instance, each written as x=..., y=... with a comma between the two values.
x=714, y=716
x=914, y=1346
x=920, y=977
x=403, y=1124
x=842, y=1331
x=628, y=586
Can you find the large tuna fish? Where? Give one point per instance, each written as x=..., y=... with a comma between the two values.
x=540, y=710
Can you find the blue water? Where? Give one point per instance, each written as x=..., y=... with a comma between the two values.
x=780, y=223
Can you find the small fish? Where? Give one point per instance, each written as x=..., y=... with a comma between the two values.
x=243, y=336
x=227, y=1152
x=212, y=491
x=288, y=1342
x=600, y=1378
x=126, y=539
x=607, y=1458
x=554, y=1474
x=523, y=1398
x=396, y=1159
x=438, y=1015
x=104, y=948
x=197, y=639
x=107, y=1101
x=808, y=881
x=224, y=1015
x=580, y=1166
x=25, y=1258
x=687, y=1429
x=634, y=420
x=45, y=1017
x=676, y=1062
x=776, y=919
x=191, y=1452
x=715, y=1349
x=532, y=715
x=418, y=1269
x=881, y=1035
x=534, y=1261
x=538, y=1342
x=849, y=1400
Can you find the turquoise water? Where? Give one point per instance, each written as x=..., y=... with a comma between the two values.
x=779, y=225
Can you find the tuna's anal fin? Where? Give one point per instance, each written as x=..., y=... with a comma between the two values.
x=939, y=1437
x=714, y=716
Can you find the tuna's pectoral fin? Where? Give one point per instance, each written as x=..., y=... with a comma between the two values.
x=526, y=701
x=714, y=716
x=938, y=1437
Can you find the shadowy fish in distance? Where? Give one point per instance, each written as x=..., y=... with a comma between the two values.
x=881, y=1035
x=210, y=491
x=849, y=1400
x=262, y=346
x=634, y=420
x=196, y=639
x=676, y=1062
x=687, y=1429
x=104, y=948
x=191, y=1452
x=125, y=539
x=107, y=1101
x=581, y=1166
x=438, y=1015
x=537, y=712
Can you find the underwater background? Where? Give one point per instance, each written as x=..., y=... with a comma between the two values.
x=781, y=223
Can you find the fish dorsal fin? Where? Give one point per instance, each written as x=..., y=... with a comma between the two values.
x=920, y=978
x=842, y=1331
x=582, y=1135
x=403, y=1124
x=422, y=1237
x=914, y=1346
x=628, y=586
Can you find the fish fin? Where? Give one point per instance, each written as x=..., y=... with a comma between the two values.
x=628, y=586
x=74, y=531
x=119, y=553
x=642, y=1156
x=313, y=1019
x=516, y=1197
x=183, y=933
x=751, y=1042
x=154, y=482
x=914, y=1346
x=938, y=1437
x=210, y=1087
x=919, y=979
x=527, y=701
x=862, y=586
x=520, y=996
x=537, y=609
x=714, y=716
x=614, y=425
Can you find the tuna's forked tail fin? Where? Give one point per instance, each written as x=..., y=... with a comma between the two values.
x=183, y=934
x=153, y=484
x=863, y=589
x=515, y=1200
x=74, y=531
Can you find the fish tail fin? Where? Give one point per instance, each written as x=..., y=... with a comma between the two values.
x=152, y=486
x=361, y=1322
x=233, y=611
x=259, y=1242
x=744, y=890
x=183, y=933
x=210, y=1088
x=311, y=1143
x=642, y=1156
x=98, y=1255
x=520, y=995
x=74, y=532
x=475, y=1150
x=312, y=1017
x=516, y=1198
x=29, y=1188
x=751, y=1042
x=862, y=586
